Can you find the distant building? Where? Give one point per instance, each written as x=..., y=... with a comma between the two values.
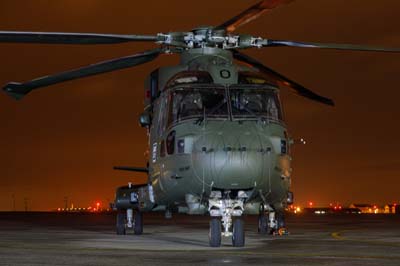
x=390, y=208
x=365, y=208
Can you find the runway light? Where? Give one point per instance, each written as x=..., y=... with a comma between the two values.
x=310, y=204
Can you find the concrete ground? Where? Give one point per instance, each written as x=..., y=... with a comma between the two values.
x=89, y=239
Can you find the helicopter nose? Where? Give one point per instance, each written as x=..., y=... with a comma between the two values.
x=234, y=158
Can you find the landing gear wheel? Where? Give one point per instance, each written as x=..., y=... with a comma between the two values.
x=121, y=220
x=214, y=234
x=262, y=223
x=281, y=224
x=238, y=233
x=138, y=227
x=280, y=220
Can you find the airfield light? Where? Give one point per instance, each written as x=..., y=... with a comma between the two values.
x=310, y=204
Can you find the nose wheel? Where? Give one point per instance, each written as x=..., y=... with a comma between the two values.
x=214, y=234
x=238, y=233
x=226, y=219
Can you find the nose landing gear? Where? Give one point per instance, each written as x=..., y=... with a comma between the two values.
x=226, y=208
x=128, y=220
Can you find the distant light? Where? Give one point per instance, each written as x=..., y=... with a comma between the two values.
x=310, y=203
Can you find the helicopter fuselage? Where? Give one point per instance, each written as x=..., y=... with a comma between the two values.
x=214, y=130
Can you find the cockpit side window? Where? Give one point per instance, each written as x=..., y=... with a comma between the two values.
x=162, y=115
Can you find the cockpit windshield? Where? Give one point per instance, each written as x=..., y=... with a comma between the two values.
x=204, y=102
x=249, y=102
x=197, y=102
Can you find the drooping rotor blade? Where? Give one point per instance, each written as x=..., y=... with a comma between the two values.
x=18, y=90
x=72, y=38
x=277, y=43
x=251, y=13
x=282, y=80
x=132, y=169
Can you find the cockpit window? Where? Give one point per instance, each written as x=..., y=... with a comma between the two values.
x=251, y=77
x=249, y=102
x=190, y=77
x=197, y=102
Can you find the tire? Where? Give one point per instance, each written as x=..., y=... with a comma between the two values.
x=280, y=219
x=138, y=226
x=121, y=220
x=238, y=233
x=214, y=235
x=262, y=224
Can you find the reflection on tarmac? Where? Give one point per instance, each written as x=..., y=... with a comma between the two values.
x=89, y=239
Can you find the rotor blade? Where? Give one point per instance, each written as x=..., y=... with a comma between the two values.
x=282, y=81
x=71, y=38
x=18, y=90
x=132, y=169
x=251, y=13
x=277, y=43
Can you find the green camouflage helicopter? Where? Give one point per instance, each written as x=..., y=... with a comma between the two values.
x=217, y=138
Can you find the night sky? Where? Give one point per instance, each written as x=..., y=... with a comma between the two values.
x=63, y=140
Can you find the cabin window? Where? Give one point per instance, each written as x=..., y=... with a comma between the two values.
x=171, y=142
x=162, y=149
x=251, y=102
x=197, y=102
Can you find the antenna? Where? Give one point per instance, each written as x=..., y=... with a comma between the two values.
x=26, y=204
x=13, y=202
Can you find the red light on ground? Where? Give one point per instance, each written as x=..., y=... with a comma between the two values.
x=97, y=204
x=310, y=204
x=375, y=207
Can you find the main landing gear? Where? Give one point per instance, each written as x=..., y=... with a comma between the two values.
x=271, y=222
x=222, y=208
x=129, y=220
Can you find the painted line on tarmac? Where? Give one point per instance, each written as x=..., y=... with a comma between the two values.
x=337, y=235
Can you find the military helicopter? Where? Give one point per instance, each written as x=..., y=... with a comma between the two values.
x=218, y=143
